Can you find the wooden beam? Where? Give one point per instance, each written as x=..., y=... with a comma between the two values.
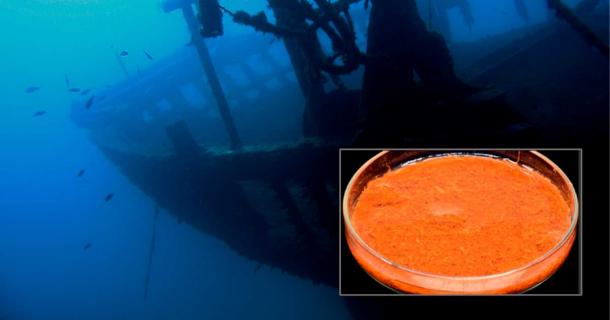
x=300, y=51
x=210, y=71
x=172, y=5
x=564, y=13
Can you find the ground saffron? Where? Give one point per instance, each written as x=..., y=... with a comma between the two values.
x=462, y=216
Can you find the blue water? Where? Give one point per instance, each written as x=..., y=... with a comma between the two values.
x=47, y=214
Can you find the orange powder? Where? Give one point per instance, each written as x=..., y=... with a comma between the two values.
x=461, y=216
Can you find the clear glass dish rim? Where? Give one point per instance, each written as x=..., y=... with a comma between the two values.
x=559, y=245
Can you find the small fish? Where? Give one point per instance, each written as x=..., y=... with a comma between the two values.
x=85, y=92
x=67, y=80
x=39, y=113
x=87, y=246
x=258, y=267
x=81, y=173
x=32, y=89
x=148, y=55
x=89, y=102
x=109, y=197
x=123, y=53
x=74, y=90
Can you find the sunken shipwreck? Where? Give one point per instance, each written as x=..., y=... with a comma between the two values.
x=376, y=73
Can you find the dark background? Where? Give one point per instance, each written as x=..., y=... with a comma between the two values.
x=355, y=281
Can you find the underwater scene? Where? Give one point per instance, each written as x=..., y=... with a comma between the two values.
x=179, y=159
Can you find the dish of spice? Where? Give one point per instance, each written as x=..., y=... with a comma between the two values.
x=461, y=223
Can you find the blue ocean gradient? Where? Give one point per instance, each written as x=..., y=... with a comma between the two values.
x=48, y=214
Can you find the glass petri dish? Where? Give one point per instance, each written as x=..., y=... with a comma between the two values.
x=406, y=280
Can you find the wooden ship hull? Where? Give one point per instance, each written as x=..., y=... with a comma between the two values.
x=276, y=206
x=273, y=200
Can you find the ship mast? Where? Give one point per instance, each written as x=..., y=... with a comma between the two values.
x=208, y=67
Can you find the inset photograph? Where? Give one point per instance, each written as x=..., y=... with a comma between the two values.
x=460, y=222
